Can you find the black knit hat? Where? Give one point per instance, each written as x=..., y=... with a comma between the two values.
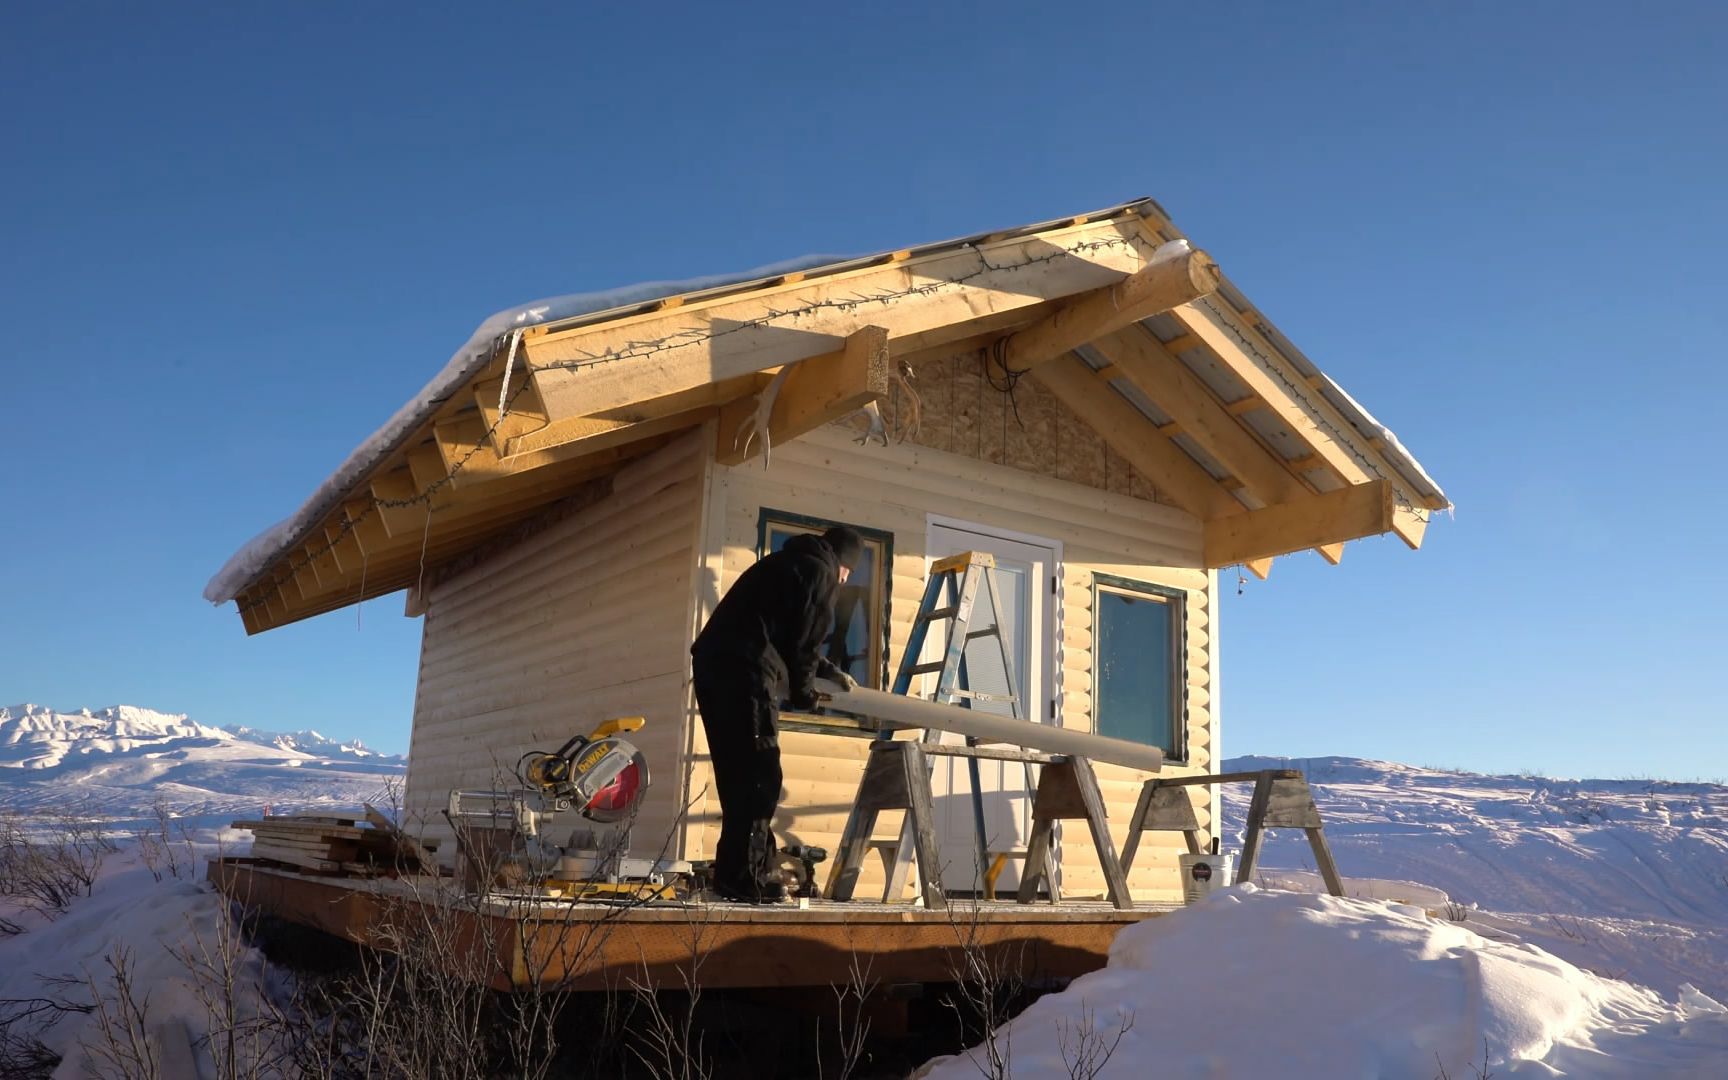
x=847, y=543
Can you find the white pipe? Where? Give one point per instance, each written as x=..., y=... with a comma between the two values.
x=900, y=711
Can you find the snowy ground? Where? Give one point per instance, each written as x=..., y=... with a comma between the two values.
x=1627, y=878
x=1497, y=925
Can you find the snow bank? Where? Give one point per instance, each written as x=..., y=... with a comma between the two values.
x=475, y=353
x=1257, y=983
x=149, y=919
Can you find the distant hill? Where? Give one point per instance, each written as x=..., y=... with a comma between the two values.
x=120, y=762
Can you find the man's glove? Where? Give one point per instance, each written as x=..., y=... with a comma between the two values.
x=828, y=669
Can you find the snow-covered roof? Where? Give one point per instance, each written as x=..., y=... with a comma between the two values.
x=1343, y=446
x=482, y=346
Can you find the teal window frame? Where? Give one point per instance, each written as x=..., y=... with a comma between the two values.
x=1176, y=602
x=880, y=592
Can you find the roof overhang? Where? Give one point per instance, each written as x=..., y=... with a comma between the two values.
x=1113, y=312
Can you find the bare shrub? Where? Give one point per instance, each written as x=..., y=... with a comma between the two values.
x=121, y=1046
x=22, y=1022
x=49, y=865
x=1086, y=1049
x=668, y=1042
x=991, y=982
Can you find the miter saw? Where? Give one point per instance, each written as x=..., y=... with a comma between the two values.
x=503, y=835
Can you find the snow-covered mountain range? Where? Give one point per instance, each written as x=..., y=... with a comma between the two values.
x=121, y=762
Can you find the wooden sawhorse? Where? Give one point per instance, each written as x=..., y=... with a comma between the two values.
x=897, y=777
x=1281, y=801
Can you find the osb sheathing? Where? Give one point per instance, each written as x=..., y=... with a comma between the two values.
x=962, y=413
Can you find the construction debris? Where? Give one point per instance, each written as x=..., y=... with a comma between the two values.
x=330, y=844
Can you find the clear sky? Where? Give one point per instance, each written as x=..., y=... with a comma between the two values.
x=235, y=238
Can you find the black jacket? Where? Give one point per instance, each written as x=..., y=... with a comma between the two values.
x=773, y=620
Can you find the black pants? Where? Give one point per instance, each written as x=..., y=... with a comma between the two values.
x=740, y=713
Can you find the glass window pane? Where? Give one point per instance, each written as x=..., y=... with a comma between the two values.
x=1135, y=656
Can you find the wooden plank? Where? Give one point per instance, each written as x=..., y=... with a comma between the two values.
x=598, y=947
x=526, y=412
x=1332, y=553
x=1260, y=568
x=574, y=428
x=1335, y=516
x=1164, y=283
x=588, y=369
x=1122, y=426
x=1309, y=416
x=399, y=504
x=815, y=392
x=1190, y=403
x=344, y=548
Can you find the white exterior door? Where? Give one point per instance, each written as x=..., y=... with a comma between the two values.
x=1023, y=580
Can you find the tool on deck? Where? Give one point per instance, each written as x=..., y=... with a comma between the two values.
x=804, y=871
x=502, y=835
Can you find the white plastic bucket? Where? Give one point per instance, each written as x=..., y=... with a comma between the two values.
x=1201, y=874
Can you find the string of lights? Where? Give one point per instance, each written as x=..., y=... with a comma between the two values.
x=634, y=350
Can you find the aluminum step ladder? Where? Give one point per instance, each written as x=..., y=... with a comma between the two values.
x=950, y=595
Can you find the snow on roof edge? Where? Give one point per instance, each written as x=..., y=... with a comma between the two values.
x=258, y=553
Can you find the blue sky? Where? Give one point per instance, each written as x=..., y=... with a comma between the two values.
x=234, y=240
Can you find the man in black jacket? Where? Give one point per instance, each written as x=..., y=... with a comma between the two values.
x=763, y=645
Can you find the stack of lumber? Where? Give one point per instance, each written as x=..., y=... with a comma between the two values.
x=334, y=844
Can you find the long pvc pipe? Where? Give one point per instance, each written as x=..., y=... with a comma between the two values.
x=901, y=711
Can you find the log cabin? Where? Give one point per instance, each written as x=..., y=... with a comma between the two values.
x=1090, y=400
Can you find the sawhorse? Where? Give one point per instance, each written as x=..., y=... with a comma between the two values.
x=1281, y=801
x=897, y=777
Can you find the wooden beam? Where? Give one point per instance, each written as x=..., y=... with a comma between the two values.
x=1162, y=284
x=815, y=392
x=577, y=428
x=399, y=506
x=526, y=411
x=1128, y=432
x=1332, y=553
x=1187, y=399
x=1244, y=405
x=589, y=369
x=1311, y=417
x=615, y=437
x=1260, y=568
x=365, y=526
x=343, y=547
x=1346, y=514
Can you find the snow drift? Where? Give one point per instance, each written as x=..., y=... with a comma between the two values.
x=1258, y=983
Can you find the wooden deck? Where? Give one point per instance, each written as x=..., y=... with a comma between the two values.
x=516, y=943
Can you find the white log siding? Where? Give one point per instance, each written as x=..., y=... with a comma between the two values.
x=584, y=621
x=1103, y=527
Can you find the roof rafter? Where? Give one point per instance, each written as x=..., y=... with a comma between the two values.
x=1187, y=400
x=815, y=391
x=1130, y=434
x=1348, y=513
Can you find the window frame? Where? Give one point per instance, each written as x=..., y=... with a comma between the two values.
x=1177, y=602
x=768, y=517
